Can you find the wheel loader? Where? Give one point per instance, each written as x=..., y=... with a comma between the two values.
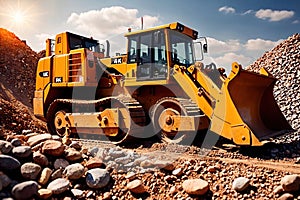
x=159, y=87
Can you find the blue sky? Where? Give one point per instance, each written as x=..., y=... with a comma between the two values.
x=237, y=30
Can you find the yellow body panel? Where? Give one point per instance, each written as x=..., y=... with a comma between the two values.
x=61, y=44
x=43, y=73
x=38, y=102
x=59, y=77
x=130, y=72
x=185, y=82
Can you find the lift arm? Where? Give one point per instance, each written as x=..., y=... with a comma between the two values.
x=242, y=108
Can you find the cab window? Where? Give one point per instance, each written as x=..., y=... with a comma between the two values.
x=132, y=52
x=148, y=50
x=182, y=49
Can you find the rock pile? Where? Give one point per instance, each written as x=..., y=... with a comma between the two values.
x=283, y=62
x=16, y=118
x=17, y=68
x=40, y=166
x=17, y=74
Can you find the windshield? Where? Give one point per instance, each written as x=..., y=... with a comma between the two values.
x=182, y=48
x=77, y=41
x=93, y=46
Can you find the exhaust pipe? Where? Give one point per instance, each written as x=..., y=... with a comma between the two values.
x=107, y=49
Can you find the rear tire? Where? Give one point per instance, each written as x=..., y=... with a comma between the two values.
x=56, y=119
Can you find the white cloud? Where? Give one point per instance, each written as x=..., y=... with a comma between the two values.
x=274, y=15
x=227, y=9
x=296, y=22
x=219, y=47
x=265, y=14
x=41, y=40
x=227, y=59
x=223, y=53
x=109, y=21
x=260, y=44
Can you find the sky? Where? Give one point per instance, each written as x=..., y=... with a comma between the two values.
x=237, y=30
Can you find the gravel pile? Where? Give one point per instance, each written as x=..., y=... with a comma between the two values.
x=15, y=118
x=17, y=68
x=17, y=74
x=283, y=62
x=43, y=166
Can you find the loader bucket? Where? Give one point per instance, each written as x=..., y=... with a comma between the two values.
x=252, y=96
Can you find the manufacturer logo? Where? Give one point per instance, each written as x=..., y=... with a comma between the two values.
x=116, y=61
x=58, y=79
x=44, y=74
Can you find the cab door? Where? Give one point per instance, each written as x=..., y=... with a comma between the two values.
x=147, y=53
x=144, y=59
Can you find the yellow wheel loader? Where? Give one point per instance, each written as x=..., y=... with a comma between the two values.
x=156, y=88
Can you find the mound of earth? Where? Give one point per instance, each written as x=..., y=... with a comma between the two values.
x=17, y=68
x=17, y=74
x=16, y=118
x=283, y=62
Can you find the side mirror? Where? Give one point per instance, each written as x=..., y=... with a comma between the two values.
x=205, y=49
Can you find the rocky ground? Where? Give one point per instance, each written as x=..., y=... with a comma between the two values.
x=36, y=165
x=42, y=166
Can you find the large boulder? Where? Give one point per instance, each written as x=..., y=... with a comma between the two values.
x=74, y=171
x=195, y=186
x=136, y=186
x=97, y=178
x=34, y=140
x=8, y=163
x=5, y=147
x=25, y=190
x=290, y=183
x=30, y=170
x=53, y=148
x=240, y=184
x=22, y=151
x=59, y=185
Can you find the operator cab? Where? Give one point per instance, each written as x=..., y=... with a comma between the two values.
x=66, y=41
x=76, y=42
x=153, y=50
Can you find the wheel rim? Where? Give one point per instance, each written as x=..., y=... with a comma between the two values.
x=60, y=123
x=162, y=118
x=166, y=121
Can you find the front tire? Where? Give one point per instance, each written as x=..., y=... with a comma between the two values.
x=161, y=116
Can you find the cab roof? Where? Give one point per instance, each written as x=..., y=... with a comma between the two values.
x=173, y=26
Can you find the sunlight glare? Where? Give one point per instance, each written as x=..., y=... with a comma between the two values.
x=18, y=17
